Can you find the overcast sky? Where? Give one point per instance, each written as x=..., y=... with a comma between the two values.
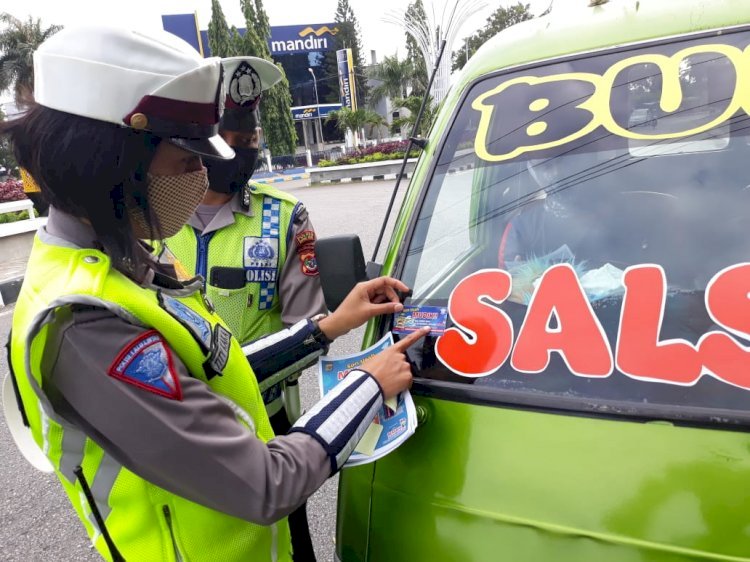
x=384, y=38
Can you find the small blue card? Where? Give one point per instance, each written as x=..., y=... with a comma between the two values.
x=412, y=318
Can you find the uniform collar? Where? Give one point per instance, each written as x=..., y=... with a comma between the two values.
x=68, y=231
x=224, y=217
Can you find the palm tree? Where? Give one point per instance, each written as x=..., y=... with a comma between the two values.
x=349, y=120
x=412, y=105
x=375, y=122
x=18, y=41
x=394, y=76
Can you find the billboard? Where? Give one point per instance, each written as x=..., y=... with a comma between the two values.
x=284, y=39
x=347, y=86
x=307, y=112
x=185, y=26
x=295, y=39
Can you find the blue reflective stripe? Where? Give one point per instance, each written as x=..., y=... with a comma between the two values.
x=271, y=228
x=201, y=262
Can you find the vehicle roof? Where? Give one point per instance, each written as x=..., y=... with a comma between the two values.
x=573, y=27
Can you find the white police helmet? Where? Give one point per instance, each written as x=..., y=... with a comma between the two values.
x=151, y=81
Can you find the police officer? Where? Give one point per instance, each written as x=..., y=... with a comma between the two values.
x=254, y=245
x=141, y=400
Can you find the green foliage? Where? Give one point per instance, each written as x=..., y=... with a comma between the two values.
x=275, y=107
x=349, y=37
x=420, y=73
x=18, y=41
x=348, y=120
x=500, y=19
x=7, y=159
x=394, y=76
x=412, y=104
x=16, y=216
x=220, y=40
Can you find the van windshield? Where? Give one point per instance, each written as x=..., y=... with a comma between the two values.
x=586, y=225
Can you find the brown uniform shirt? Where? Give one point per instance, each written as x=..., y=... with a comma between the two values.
x=194, y=447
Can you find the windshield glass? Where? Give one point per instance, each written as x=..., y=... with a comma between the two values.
x=586, y=227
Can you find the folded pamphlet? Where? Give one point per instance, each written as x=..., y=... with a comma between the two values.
x=395, y=422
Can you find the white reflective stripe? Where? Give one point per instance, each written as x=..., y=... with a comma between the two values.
x=104, y=481
x=268, y=341
x=72, y=445
x=275, y=542
x=89, y=516
x=350, y=379
x=239, y=412
x=351, y=409
x=347, y=450
x=45, y=429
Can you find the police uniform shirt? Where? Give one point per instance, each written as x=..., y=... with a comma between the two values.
x=301, y=295
x=194, y=447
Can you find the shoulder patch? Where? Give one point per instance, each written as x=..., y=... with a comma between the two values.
x=306, y=252
x=146, y=362
x=305, y=237
x=194, y=322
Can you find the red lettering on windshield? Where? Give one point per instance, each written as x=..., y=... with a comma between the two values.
x=577, y=335
x=728, y=304
x=484, y=337
x=640, y=354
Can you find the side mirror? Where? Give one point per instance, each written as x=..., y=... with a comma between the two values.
x=341, y=264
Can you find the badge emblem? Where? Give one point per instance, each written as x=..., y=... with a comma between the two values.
x=261, y=259
x=245, y=86
x=146, y=362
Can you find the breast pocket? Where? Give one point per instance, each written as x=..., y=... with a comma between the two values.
x=232, y=298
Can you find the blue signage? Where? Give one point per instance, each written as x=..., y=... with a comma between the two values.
x=292, y=39
x=284, y=40
x=347, y=86
x=306, y=112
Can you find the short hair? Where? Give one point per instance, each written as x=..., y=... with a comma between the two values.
x=92, y=170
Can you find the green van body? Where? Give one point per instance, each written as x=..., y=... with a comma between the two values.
x=492, y=482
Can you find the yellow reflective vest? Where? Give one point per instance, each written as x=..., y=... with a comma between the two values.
x=145, y=522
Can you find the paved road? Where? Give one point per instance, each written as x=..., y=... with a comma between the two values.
x=36, y=522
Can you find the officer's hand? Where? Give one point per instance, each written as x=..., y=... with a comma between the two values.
x=366, y=300
x=390, y=367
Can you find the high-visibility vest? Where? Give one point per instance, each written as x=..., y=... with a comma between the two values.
x=144, y=521
x=254, y=310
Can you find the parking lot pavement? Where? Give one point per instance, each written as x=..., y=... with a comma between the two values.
x=36, y=522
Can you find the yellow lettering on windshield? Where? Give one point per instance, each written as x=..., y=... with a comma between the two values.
x=532, y=119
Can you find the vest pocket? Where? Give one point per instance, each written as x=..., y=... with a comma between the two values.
x=172, y=537
x=232, y=306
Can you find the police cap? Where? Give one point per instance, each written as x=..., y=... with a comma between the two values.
x=245, y=78
x=151, y=81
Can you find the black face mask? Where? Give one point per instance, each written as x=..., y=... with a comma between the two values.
x=229, y=176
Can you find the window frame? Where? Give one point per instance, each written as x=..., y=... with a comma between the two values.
x=690, y=416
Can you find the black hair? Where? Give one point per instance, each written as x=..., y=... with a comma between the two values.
x=92, y=170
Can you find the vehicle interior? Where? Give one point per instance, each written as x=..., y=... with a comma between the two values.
x=602, y=203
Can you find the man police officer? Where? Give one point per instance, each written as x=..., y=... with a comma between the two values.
x=254, y=246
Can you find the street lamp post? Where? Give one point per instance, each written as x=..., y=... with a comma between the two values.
x=317, y=102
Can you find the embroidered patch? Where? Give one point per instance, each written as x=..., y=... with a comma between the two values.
x=305, y=237
x=220, y=343
x=146, y=362
x=309, y=262
x=194, y=322
x=261, y=259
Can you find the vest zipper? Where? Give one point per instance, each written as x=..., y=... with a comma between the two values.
x=168, y=518
x=201, y=263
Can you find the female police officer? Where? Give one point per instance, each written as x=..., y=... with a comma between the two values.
x=136, y=393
